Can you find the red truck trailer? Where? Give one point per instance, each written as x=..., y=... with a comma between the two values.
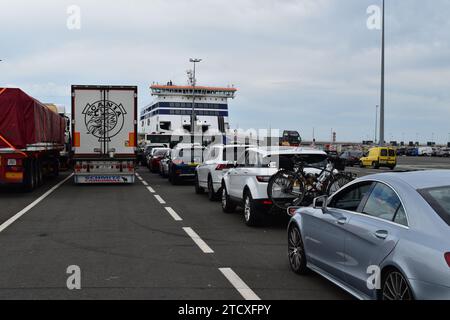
x=31, y=139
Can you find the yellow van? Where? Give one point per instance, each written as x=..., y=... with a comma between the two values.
x=380, y=157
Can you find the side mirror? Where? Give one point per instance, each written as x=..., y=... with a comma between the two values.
x=321, y=203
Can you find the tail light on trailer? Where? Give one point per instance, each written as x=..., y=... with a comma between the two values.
x=447, y=258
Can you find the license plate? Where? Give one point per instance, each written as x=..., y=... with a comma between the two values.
x=14, y=175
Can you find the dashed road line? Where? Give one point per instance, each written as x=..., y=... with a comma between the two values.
x=198, y=241
x=14, y=218
x=174, y=215
x=239, y=284
x=145, y=183
x=160, y=200
x=151, y=189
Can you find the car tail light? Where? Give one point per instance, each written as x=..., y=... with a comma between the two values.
x=263, y=178
x=221, y=167
x=292, y=211
x=267, y=202
x=447, y=258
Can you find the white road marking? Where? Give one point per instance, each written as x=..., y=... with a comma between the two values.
x=14, y=218
x=240, y=285
x=140, y=178
x=174, y=215
x=150, y=189
x=198, y=241
x=161, y=200
x=145, y=183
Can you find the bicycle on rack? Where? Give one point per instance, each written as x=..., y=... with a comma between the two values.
x=301, y=185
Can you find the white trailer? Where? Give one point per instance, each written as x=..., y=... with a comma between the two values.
x=104, y=128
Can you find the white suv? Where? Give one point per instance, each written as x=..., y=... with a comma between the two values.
x=246, y=184
x=217, y=160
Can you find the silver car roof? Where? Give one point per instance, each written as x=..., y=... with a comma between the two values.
x=416, y=179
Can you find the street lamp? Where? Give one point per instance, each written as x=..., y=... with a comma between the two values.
x=376, y=124
x=193, y=82
x=382, y=83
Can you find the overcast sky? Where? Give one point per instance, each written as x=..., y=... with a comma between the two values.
x=298, y=64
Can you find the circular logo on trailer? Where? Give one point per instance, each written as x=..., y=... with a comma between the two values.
x=104, y=119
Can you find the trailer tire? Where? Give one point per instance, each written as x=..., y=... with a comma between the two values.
x=39, y=173
x=30, y=176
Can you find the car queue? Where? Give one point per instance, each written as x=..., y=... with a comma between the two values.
x=394, y=224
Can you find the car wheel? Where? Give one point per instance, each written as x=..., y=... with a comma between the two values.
x=375, y=165
x=227, y=204
x=296, y=251
x=252, y=216
x=173, y=178
x=198, y=189
x=395, y=287
x=212, y=196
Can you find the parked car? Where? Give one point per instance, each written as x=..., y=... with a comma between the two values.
x=351, y=157
x=184, y=159
x=401, y=152
x=148, y=150
x=391, y=225
x=412, y=152
x=155, y=158
x=164, y=164
x=246, y=184
x=425, y=151
x=380, y=157
x=217, y=160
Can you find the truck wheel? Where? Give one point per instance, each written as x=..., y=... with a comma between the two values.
x=30, y=176
x=252, y=216
x=375, y=165
x=39, y=173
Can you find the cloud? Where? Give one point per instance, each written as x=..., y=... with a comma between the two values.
x=298, y=64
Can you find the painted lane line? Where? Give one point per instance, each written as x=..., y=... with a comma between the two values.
x=150, y=189
x=145, y=183
x=239, y=285
x=140, y=178
x=14, y=218
x=174, y=215
x=160, y=200
x=198, y=241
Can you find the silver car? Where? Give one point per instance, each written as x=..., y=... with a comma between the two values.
x=384, y=236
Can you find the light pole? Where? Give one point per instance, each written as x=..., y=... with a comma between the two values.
x=376, y=124
x=382, y=81
x=193, y=82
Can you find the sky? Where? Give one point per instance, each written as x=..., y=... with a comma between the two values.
x=306, y=65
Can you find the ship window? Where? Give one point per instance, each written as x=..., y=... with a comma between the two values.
x=148, y=122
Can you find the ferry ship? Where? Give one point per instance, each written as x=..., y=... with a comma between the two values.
x=171, y=111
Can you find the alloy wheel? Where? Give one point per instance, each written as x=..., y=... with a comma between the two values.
x=396, y=288
x=295, y=249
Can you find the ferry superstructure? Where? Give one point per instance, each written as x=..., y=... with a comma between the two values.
x=172, y=109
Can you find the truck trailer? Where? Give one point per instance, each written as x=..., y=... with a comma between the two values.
x=31, y=139
x=104, y=134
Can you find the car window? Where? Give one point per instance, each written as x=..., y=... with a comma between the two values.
x=384, y=152
x=391, y=153
x=350, y=198
x=384, y=203
x=439, y=200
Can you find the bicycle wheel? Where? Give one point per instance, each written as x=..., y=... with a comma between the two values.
x=286, y=189
x=337, y=182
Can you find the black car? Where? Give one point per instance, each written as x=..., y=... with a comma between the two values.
x=351, y=158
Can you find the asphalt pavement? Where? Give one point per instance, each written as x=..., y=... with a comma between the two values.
x=150, y=240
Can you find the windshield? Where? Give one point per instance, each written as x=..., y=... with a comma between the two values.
x=439, y=200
